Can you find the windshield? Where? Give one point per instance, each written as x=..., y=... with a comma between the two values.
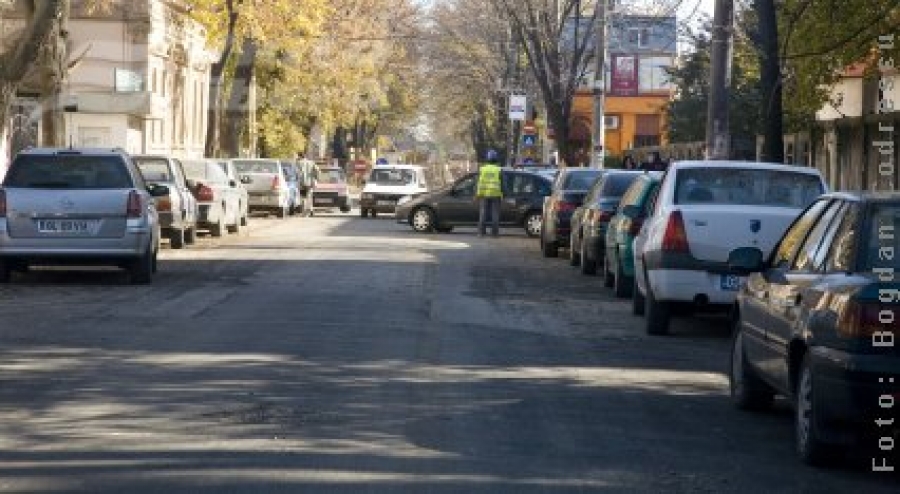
x=746, y=187
x=580, y=179
x=154, y=169
x=248, y=166
x=392, y=177
x=882, y=236
x=616, y=184
x=331, y=176
x=68, y=172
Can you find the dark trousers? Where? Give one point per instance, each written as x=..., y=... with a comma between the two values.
x=489, y=210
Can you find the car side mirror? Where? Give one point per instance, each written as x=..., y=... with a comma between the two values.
x=746, y=260
x=245, y=179
x=158, y=190
x=631, y=211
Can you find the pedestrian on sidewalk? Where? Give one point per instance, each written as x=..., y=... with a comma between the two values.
x=489, y=193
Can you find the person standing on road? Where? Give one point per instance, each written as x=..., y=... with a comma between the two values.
x=489, y=194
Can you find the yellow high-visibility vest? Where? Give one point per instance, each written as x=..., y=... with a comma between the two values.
x=489, y=181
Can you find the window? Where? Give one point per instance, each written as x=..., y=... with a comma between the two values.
x=522, y=185
x=746, y=187
x=68, y=172
x=639, y=36
x=647, y=130
x=653, y=74
x=466, y=186
x=842, y=255
x=580, y=179
x=611, y=122
x=616, y=184
x=806, y=259
x=795, y=235
x=154, y=169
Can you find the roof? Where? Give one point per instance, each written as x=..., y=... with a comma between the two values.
x=77, y=150
x=743, y=164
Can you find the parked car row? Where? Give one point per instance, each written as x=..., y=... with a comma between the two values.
x=106, y=207
x=805, y=277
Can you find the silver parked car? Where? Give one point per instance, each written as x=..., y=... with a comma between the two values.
x=177, y=210
x=240, y=185
x=267, y=185
x=78, y=206
x=217, y=196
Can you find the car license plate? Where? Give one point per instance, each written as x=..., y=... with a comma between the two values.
x=323, y=201
x=730, y=282
x=384, y=203
x=77, y=227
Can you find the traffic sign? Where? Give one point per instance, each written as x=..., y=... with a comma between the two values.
x=529, y=140
x=529, y=128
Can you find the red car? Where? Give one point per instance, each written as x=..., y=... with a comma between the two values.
x=331, y=191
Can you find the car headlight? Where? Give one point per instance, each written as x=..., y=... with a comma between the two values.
x=403, y=200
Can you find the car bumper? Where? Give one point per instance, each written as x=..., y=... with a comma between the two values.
x=267, y=201
x=330, y=201
x=849, y=391
x=133, y=244
x=379, y=205
x=674, y=285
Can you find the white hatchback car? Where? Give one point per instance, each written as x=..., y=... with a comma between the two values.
x=705, y=210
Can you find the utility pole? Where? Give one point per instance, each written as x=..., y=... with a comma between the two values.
x=718, y=137
x=598, y=140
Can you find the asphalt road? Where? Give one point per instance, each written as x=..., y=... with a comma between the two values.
x=341, y=355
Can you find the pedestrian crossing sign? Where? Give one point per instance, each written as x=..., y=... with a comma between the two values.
x=529, y=140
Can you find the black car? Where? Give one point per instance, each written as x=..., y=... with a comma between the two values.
x=455, y=205
x=817, y=322
x=569, y=190
x=587, y=240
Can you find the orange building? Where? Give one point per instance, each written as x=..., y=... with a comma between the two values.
x=631, y=121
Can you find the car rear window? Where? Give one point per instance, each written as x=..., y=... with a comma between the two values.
x=245, y=166
x=580, y=179
x=883, y=235
x=331, y=177
x=154, y=169
x=616, y=184
x=746, y=187
x=68, y=172
x=201, y=171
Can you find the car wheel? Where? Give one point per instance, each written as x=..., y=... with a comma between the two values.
x=748, y=391
x=444, y=229
x=345, y=209
x=658, y=314
x=422, y=220
x=190, y=235
x=637, y=299
x=177, y=238
x=810, y=447
x=608, y=280
x=141, y=269
x=236, y=227
x=363, y=213
x=588, y=263
x=373, y=213
x=549, y=249
x=5, y=271
x=282, y=212
x=533, y=224
x=621, y=284
x=244, y=214
x=574, y=254
x=218, y=228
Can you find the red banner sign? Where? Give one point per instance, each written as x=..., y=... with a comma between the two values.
x=624, y=81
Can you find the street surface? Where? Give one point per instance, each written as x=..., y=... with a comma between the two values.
x=342, y=355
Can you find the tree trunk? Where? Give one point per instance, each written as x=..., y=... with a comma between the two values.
x=15, y=63
x=770, y=82
x=54, y=74
x=237, y=114
x=217, y=83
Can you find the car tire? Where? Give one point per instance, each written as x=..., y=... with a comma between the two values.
x=533, y=224
x=244, y=214
x=190, y=235
x=622, y=284
x=141, y=269
x=443, y=229
x=657, y=314
x=236, y=227
x=281, y=212
x=608, y=279
x=364, y=213
x=810, y=447
x=373, y=213
x=345, y=209
x=218, y=229
x=422, y=220
x=637, y=299
x=574, y=254
x=549, y=249
x=5, y=271
x=177, y=238
x=748, y=391
x=588, y=263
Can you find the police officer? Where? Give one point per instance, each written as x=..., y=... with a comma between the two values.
x=489, y=194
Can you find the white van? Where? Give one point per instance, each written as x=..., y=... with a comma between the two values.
x=387, y=184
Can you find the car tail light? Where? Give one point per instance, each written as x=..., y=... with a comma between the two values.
x=861, y=320
x=205, y=193
x=2, y=204
x=634, y=226
x=675, y=238
x=604, y=216
x=134, y=208
x=163, y=204
x=276, y=182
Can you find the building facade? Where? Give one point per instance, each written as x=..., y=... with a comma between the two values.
x=138, y=79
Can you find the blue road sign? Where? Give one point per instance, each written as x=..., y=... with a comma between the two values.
x=529, y=140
